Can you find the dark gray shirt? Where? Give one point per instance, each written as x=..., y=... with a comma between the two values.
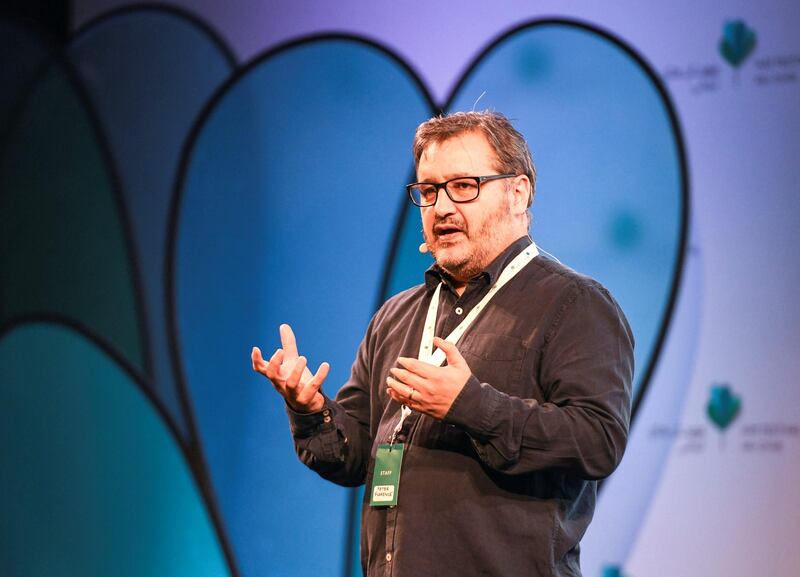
x=505, y=484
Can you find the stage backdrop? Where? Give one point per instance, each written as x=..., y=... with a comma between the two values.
x=178, y=179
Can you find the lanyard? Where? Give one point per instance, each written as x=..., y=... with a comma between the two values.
x=437, y=357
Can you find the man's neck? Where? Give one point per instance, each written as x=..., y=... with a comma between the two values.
x=460, y=284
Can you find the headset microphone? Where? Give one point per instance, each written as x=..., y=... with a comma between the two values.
x=423, y=248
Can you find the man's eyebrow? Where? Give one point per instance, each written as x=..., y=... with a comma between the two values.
x=451, y=176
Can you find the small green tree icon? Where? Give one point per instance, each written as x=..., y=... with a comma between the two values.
x=723, y=407
x=737, y=43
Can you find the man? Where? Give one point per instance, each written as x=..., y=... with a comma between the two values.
x=502, y=434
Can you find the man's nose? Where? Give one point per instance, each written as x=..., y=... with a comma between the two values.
x=443, y=203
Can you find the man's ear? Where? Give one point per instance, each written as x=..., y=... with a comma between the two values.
x=521, y=193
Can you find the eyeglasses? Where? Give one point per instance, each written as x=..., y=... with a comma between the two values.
x=460, y=189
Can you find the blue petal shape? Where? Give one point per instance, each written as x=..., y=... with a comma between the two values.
x=148, y=74
x=93, y=482
x=287, y=212
x=609, y=199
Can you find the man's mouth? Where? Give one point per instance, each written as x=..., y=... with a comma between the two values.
x=447, y=232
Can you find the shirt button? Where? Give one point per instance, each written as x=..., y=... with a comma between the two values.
x=388, y=556
x=326, y=412
x=326, y=420
x=459, y=310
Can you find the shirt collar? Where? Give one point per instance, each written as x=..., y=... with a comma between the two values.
x=434, y=275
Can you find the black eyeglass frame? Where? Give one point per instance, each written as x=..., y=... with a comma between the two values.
x=443, y=185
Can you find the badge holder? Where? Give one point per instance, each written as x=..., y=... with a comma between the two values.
x=386, y=475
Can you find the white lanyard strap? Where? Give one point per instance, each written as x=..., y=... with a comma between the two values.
x=437, y=357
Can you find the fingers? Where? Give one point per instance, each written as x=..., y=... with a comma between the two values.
x=259, y=364
x=423, y=369
x=307, y=392
x=399, y=397
x=294, y=377
x=321, y=374
x=288, y=341
x=273, y=369
x=256, y=359
x=289, y=385
x=404, y=391
x=450, y=351
x=408, y=378
x=289, y=373
x=405, y=395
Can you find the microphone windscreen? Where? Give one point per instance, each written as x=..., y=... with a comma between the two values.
x=423, y=248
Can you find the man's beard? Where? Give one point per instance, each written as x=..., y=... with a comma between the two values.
x=485, y=244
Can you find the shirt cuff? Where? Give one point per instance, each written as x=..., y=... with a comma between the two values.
x=474, y=408
x=306, y=424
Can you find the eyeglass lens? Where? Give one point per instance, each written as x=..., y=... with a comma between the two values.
x=459, y=190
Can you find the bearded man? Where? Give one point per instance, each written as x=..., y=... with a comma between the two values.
x=484, y=404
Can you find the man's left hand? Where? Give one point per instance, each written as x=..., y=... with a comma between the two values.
x=427, y=388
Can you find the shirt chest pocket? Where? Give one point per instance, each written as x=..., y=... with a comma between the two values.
x=495, y=359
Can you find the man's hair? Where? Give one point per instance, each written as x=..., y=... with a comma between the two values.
x=508, y=144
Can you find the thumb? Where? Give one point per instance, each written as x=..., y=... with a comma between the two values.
x=452, y=354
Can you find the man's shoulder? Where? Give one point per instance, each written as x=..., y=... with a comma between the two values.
x=403, y=300
x=571, y=293
x=397, y=311
x=556, y=276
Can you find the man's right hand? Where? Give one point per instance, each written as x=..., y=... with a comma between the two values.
x=290, y=375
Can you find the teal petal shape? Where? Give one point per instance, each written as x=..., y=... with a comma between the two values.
x=723, y=406
x=93, y=482
x=63, y=244
x=737, y=43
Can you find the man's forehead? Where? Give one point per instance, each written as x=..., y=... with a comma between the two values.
x=471, y=145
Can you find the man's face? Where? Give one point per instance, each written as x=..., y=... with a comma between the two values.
x=465, y=237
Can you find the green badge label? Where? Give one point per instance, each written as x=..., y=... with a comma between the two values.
x=386, y=475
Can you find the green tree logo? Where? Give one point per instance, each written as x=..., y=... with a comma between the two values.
x=613, y=571
x=737, y=43
x=723, y=406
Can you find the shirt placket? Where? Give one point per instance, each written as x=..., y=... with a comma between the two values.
x=391, y=526
x=404, y=436
x=454, y=308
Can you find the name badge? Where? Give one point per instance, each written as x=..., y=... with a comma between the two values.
x=386, y=475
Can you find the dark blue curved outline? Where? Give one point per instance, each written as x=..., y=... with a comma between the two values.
x=172, y=11
x=138, y=377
